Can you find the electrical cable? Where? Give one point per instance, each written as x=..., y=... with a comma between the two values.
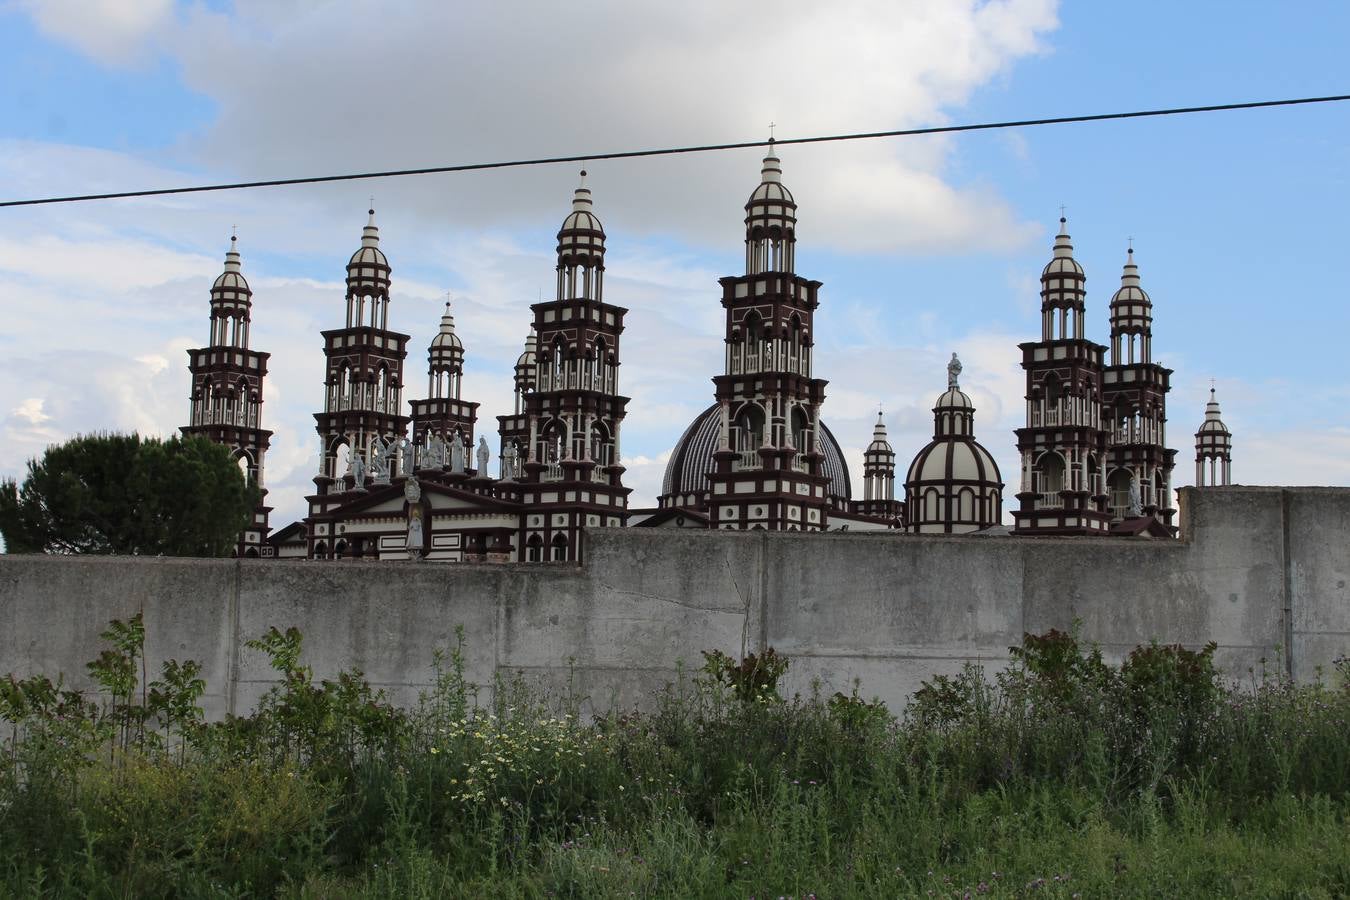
x=672, y=151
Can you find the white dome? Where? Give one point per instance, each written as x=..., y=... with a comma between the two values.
x=446, y=337
x=954, y=398
x=581, y=232
x=369, y=255
x=1062, y=263
x=949, y=460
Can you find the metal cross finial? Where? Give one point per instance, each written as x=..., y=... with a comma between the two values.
x=771, y=128
x=234, y=231
x=1129, y=243
x=1062, y=208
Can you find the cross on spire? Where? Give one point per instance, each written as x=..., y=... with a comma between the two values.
x=1062, y=209
x=771, y=128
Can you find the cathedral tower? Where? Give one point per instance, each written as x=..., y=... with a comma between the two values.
x=768, y=470
x=443, y=413
x=879, y=477
x=571, y=475
x=1134, y=405
x=1063, y=446
x=1213, y=448
x=227, y=391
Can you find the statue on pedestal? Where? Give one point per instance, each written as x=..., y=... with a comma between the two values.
x=484, y=454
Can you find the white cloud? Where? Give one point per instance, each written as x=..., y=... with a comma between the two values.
x=348, y=85
x=111, y=31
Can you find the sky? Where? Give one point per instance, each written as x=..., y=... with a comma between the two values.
x=925, y=245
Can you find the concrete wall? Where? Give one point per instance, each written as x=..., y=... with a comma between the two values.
x=1262, y=571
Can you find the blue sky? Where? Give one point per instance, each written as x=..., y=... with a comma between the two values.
x=925, y=246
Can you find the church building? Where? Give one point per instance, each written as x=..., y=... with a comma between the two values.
x=414, y=480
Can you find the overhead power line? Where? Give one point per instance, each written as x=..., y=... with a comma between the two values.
x=672, y=151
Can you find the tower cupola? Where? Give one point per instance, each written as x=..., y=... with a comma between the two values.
x=1131, y=318
x=770, y=222
x=368, y=281
x=1213, y=448
x=231, y=302
x=581, y=249
x=1063, y=290
x=445, y=359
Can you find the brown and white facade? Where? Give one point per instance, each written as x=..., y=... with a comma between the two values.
x=227, y=392
x=422, y=486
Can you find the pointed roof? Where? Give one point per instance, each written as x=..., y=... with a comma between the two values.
x=446, y=337
x=369, y=253
x=1062, y=260
x=1213, y=422
x=879, y=442
x=232, y=279
x=1130, y=292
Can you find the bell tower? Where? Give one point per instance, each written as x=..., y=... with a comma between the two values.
x=1063, y=446
x=1213, y=448
x=879, y=477
x=443, y=412
x=571, y=473
x=1134, y=404
x=362, y=417
x=227, y=392
x=768, y=465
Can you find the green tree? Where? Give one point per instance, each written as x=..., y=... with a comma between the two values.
x=119, y=493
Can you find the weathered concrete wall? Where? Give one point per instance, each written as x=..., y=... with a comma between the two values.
x=1262, y=571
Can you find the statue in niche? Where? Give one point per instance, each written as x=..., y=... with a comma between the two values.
x=457, y=453
x=380, y=453
x=415, y=534
x=409, y=455
x=356, y=468
x=434, y=455
x=1136, y=505
x=484, y=454
x=510, y=457
x=954, y=373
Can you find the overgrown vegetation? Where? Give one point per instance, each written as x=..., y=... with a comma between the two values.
x=1062, y=775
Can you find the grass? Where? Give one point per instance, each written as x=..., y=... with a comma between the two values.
x=1062, y=777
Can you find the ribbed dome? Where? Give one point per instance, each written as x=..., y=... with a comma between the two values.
x=879, y=442
x=369, y=253
x=950, y=459
x=1213, y=424
x=770, y=207
x=531, y=350
x=230, y=284
x=954, y=398
x=1131, y=308
x=581, y=233
x=446, y=337
x=1062, y=261
x=692, y=460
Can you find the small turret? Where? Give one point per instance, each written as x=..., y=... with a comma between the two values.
x=1213, y=448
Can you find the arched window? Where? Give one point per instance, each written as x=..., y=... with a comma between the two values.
x=1049, y=475
x=559, y=548
x=534, y=548
x=340, y=550
x=320, y=550
x=600, y=446
x=748, y=428
x=965, y=505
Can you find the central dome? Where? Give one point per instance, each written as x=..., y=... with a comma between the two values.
x=686, y=482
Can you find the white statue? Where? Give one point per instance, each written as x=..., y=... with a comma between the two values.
x=484, y=454
x=1136, y=505
x=409, y=451
x=954, y=373
x=510, y=456
x=412, y=490
x=415, y=536
x=356, y=468
x=434, y=455
x=456, y=453
x=380, y=452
